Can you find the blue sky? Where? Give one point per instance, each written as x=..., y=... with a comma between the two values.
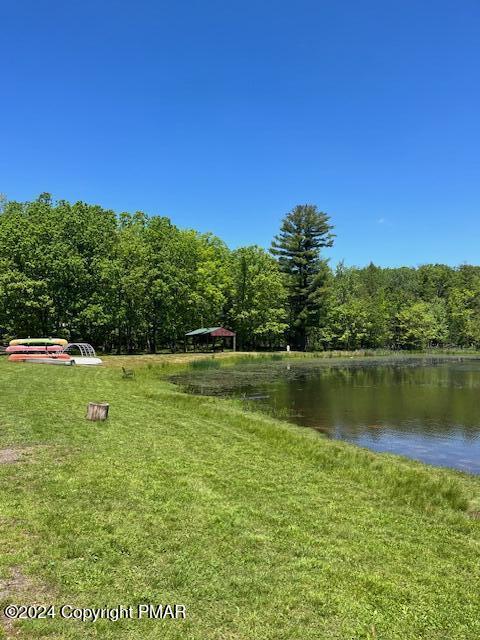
x=224, y=115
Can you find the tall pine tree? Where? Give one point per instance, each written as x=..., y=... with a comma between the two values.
x=304, y=232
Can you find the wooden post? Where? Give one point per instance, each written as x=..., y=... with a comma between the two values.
x=97, y=411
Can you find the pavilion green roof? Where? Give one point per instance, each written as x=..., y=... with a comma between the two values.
x=202, y=331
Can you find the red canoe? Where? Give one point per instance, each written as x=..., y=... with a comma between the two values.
x=20, y=357
x=25, y=349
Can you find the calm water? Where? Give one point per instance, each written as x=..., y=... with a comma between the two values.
x=422, y=408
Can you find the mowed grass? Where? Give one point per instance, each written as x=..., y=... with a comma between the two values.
x=261, y=529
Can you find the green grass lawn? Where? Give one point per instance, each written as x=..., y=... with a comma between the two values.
x=261, y=529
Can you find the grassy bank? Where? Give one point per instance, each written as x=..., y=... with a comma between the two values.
x=263, y=530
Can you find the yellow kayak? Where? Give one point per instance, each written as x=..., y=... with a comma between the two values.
x=32, y=342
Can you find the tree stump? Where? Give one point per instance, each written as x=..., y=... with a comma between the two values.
x=97, y=411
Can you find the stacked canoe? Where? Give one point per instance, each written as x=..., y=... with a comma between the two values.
x=49, y=350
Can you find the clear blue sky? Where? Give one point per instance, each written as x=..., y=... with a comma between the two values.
x=225, y=114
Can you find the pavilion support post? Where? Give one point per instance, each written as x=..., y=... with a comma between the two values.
x=234, y=340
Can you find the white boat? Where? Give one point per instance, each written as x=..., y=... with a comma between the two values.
x=84, y=360
x=87, y=353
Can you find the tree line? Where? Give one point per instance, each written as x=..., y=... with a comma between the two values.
x=133, y=282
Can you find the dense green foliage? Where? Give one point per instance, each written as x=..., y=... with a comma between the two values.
x=402, y=308
x=134, y=282
x=262, y=530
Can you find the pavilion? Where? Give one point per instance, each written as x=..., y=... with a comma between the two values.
x=207, y=336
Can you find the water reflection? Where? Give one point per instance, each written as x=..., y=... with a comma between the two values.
x=425, y=410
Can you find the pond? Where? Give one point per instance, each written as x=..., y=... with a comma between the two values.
x=424, y=408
